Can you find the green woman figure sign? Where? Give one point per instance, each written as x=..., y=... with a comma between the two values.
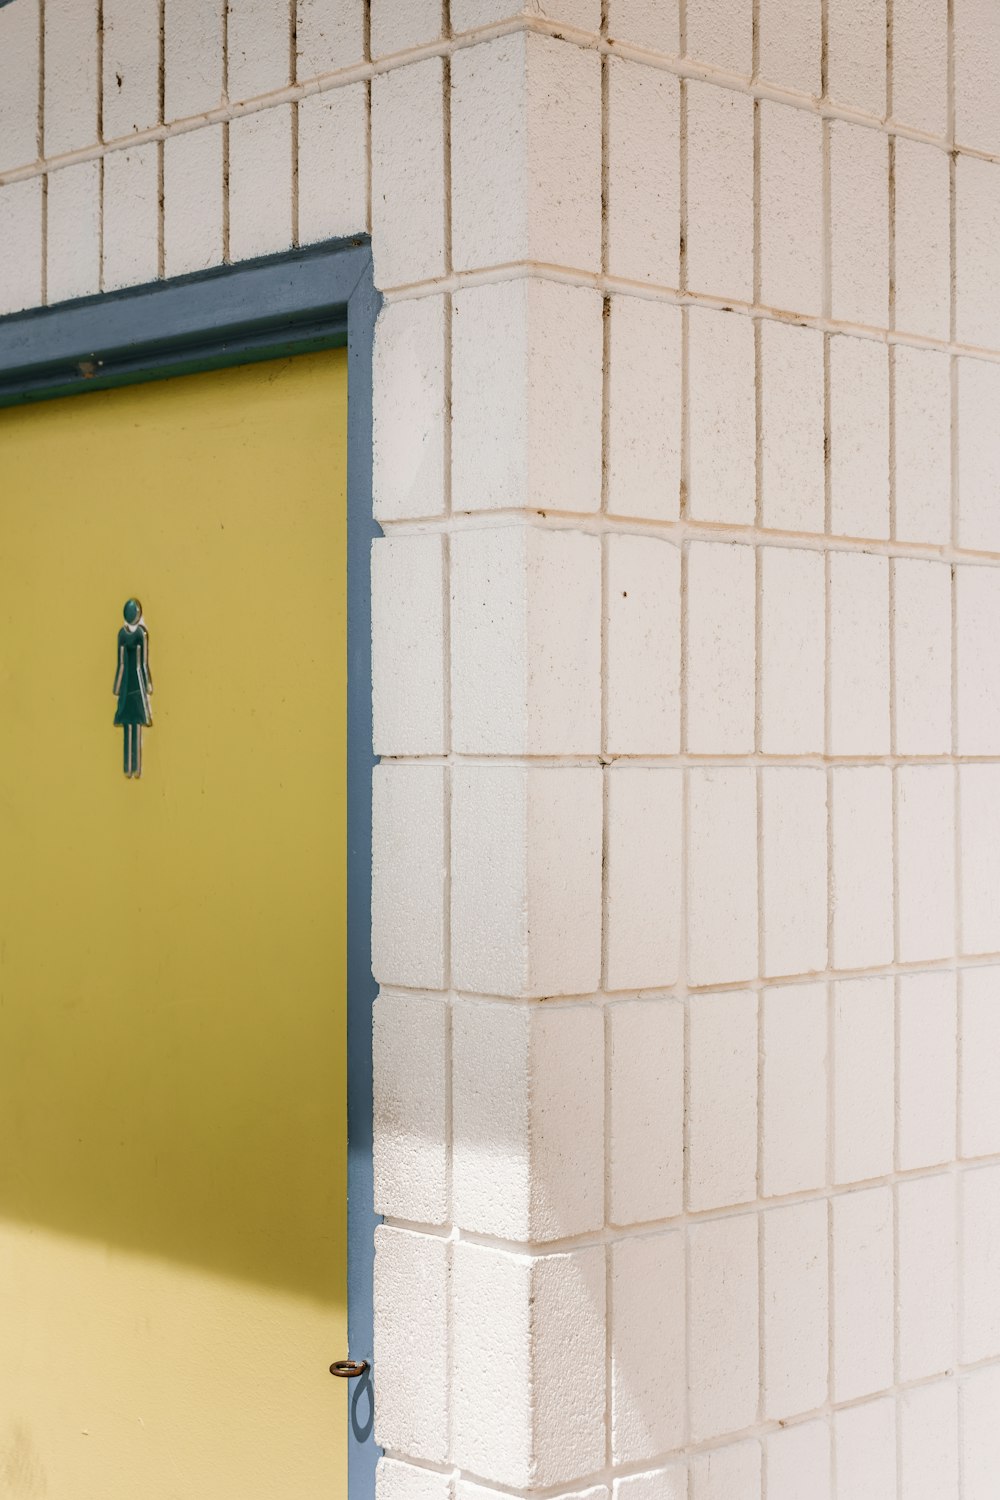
x=133, y=685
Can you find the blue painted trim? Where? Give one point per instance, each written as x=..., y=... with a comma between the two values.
x=310, y=299
x=362, y=529
x=229, y=315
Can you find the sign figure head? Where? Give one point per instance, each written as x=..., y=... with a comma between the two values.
x=132, y=611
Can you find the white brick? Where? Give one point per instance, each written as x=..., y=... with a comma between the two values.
x=923, y=239
x=585, y=15
x=396, y=27
x=720, y=648
x=862, y=867
x=791, y=208
x=260, y=183
x=977, y=226
x=859, y=654
x=794, y=1112
x=643, y=646
x=646, y=1125
x=408, y=875
x=330, y=34
x=980, y=1098
x=920, y=66
x=862, y=1079
x=526, y=652
x=798, y=1463
x=528, y=1119
x=980, y=1241
x=978, y=626
x=644, y=409
x=192, y=201
x=131, y=58
x=793, y=647
x=411, y=1335
x=410, y=1049
x=723, y=1325
x=722, y=876
x=643, y=872
x=526, y=431
x=980, y=1434
x=789, y=40
x=648, y=1382
x=720, y=32
x=399, y=1481
x=528, y=1391
x=979, y=851
x=978, y=455
x=192, y=53
x=643, y=212
x=928, y=1420
x=859, y=215
x=925, y=1291
x=258, y=55
x=653, y=24
x=793, y=869
x=333, y=164
x=792, y=417
x=493, y=1348
x=865, y=1445
x=21, y=245
x=131, y=215
x=856, y=54
x=408, y=669
x=720, y=192
x=721, y=417
x=722, y=1100
x=70, y=106
x=408, y=173
x=731, y=1473
x=19, y=83
x=862, y=1293
x=73, y=232
x=922, y=381
x=466, y=1491
x=977, y=62
x=408, y=410
x=927, y=1070
x=859, y=438
x=796, y=1340
x=925, y=859
x=526, y=153
x=659, y=1484
x=526, y=880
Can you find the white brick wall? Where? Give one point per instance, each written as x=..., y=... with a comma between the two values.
x=691, y=530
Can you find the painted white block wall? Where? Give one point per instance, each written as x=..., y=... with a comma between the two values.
x=685, y=647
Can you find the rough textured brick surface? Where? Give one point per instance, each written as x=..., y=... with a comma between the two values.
x=722, y=1100
x=648, y=1387
x=644, y=825
x=73, y=231
x=723, y=1324
x=794, y=1039
x=20, y=84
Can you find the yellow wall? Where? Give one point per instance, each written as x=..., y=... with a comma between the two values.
x=172, y=993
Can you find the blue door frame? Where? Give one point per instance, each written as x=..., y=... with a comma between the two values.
x=318, y=298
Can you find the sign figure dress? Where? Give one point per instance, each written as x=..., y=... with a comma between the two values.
x=133, y=685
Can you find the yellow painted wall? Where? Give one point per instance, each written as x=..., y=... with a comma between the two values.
x=172, y=950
